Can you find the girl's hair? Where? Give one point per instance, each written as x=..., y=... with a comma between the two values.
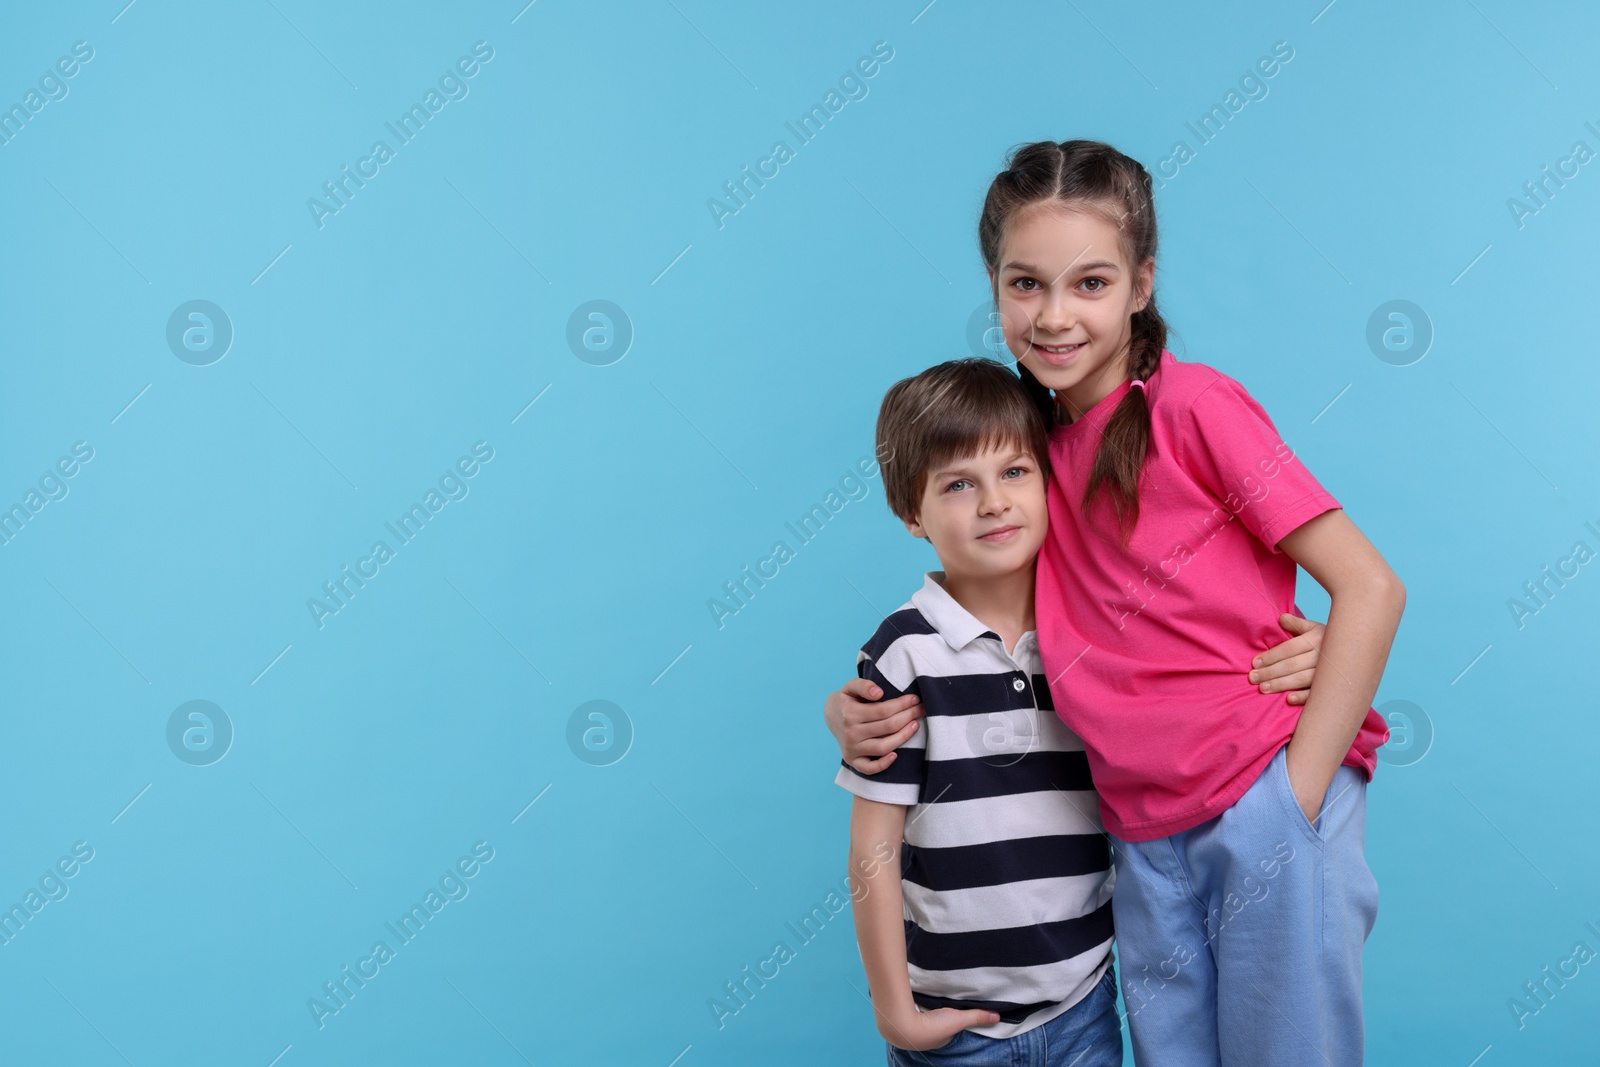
x=1094, y=177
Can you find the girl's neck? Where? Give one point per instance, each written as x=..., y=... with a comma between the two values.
x=1077, y=399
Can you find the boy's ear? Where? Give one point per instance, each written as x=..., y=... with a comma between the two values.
x=914, y=528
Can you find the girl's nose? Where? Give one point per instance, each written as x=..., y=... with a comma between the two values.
x=1055, y=316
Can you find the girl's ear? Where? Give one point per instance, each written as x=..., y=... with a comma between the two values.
x=1147, y=281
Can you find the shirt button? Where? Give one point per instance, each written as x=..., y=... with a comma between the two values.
x=1019, y=685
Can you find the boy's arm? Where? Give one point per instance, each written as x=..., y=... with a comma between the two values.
x=876, y=831
x=1368, y=600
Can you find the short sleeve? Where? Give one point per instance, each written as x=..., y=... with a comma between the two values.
x=893, y=671
x=1229, y=445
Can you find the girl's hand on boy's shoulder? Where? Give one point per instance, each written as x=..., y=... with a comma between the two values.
x=923, y=1031
x=1289, y=667
x=868, y=729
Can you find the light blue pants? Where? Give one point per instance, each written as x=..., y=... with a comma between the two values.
x=1239, y=940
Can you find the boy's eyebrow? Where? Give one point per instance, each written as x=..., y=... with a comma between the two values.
x=1101, y=264
x=960, y=465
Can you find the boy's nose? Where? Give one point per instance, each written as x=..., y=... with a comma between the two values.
x=994, y=501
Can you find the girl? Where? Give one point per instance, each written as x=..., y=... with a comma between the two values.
x=1177, y=518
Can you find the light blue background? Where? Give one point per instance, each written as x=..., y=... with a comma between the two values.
x=428, y=313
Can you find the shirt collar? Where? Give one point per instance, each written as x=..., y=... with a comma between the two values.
x=958, y=626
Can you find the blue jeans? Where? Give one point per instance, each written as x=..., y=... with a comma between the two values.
x=1239, y=940
x=1088, y=1034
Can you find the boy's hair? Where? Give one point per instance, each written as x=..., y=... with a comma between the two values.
x=1091, y=176
x=953, y=410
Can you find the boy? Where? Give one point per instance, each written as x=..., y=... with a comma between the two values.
x=983, y=913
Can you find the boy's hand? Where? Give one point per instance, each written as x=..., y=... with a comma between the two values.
x=869, y=731
x=1288, y=667
x=922, y=1031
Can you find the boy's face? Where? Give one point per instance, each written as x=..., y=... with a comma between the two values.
x=984, y=513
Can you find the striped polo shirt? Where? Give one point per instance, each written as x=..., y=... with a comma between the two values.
x=1006, y=869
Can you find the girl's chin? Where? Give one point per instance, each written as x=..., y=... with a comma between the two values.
x=1053, y=378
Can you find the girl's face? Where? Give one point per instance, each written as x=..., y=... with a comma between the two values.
x=1065, y=293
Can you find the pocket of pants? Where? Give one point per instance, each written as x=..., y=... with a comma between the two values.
x=961, y=1042
x=1281, y=769
x=1108, y=982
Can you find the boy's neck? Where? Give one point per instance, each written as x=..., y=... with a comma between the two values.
x=1004, y=603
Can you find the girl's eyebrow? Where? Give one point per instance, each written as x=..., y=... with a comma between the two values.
x=1101, y=265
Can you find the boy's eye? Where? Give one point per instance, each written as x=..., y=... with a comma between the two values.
x=1018, y=471
x=954, y=484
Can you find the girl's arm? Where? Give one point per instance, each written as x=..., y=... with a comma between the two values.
x=868, y=730
x=1368, y=600
x=875, y=834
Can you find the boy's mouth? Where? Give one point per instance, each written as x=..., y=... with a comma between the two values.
x=1001, y=535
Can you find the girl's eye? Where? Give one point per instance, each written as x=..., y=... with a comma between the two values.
x=1021, y=281
x=1100, y=283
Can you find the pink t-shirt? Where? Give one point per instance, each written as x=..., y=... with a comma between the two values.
x=1146, y=649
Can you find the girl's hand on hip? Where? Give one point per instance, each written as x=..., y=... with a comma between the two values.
x=868, y=729
x=1289, y=667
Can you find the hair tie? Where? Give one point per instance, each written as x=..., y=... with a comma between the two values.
x=1137, y=384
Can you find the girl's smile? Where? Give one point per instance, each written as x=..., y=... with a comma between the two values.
x=1057, y=355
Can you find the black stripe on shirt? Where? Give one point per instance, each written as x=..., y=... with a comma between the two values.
x=974, y=694
x=1041, y=693
x=999, y=862
x=951, y=780
x=1017, y=946
x=907, y=620
x=1008, y=1012
x=905, y=770
x=947, y=781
